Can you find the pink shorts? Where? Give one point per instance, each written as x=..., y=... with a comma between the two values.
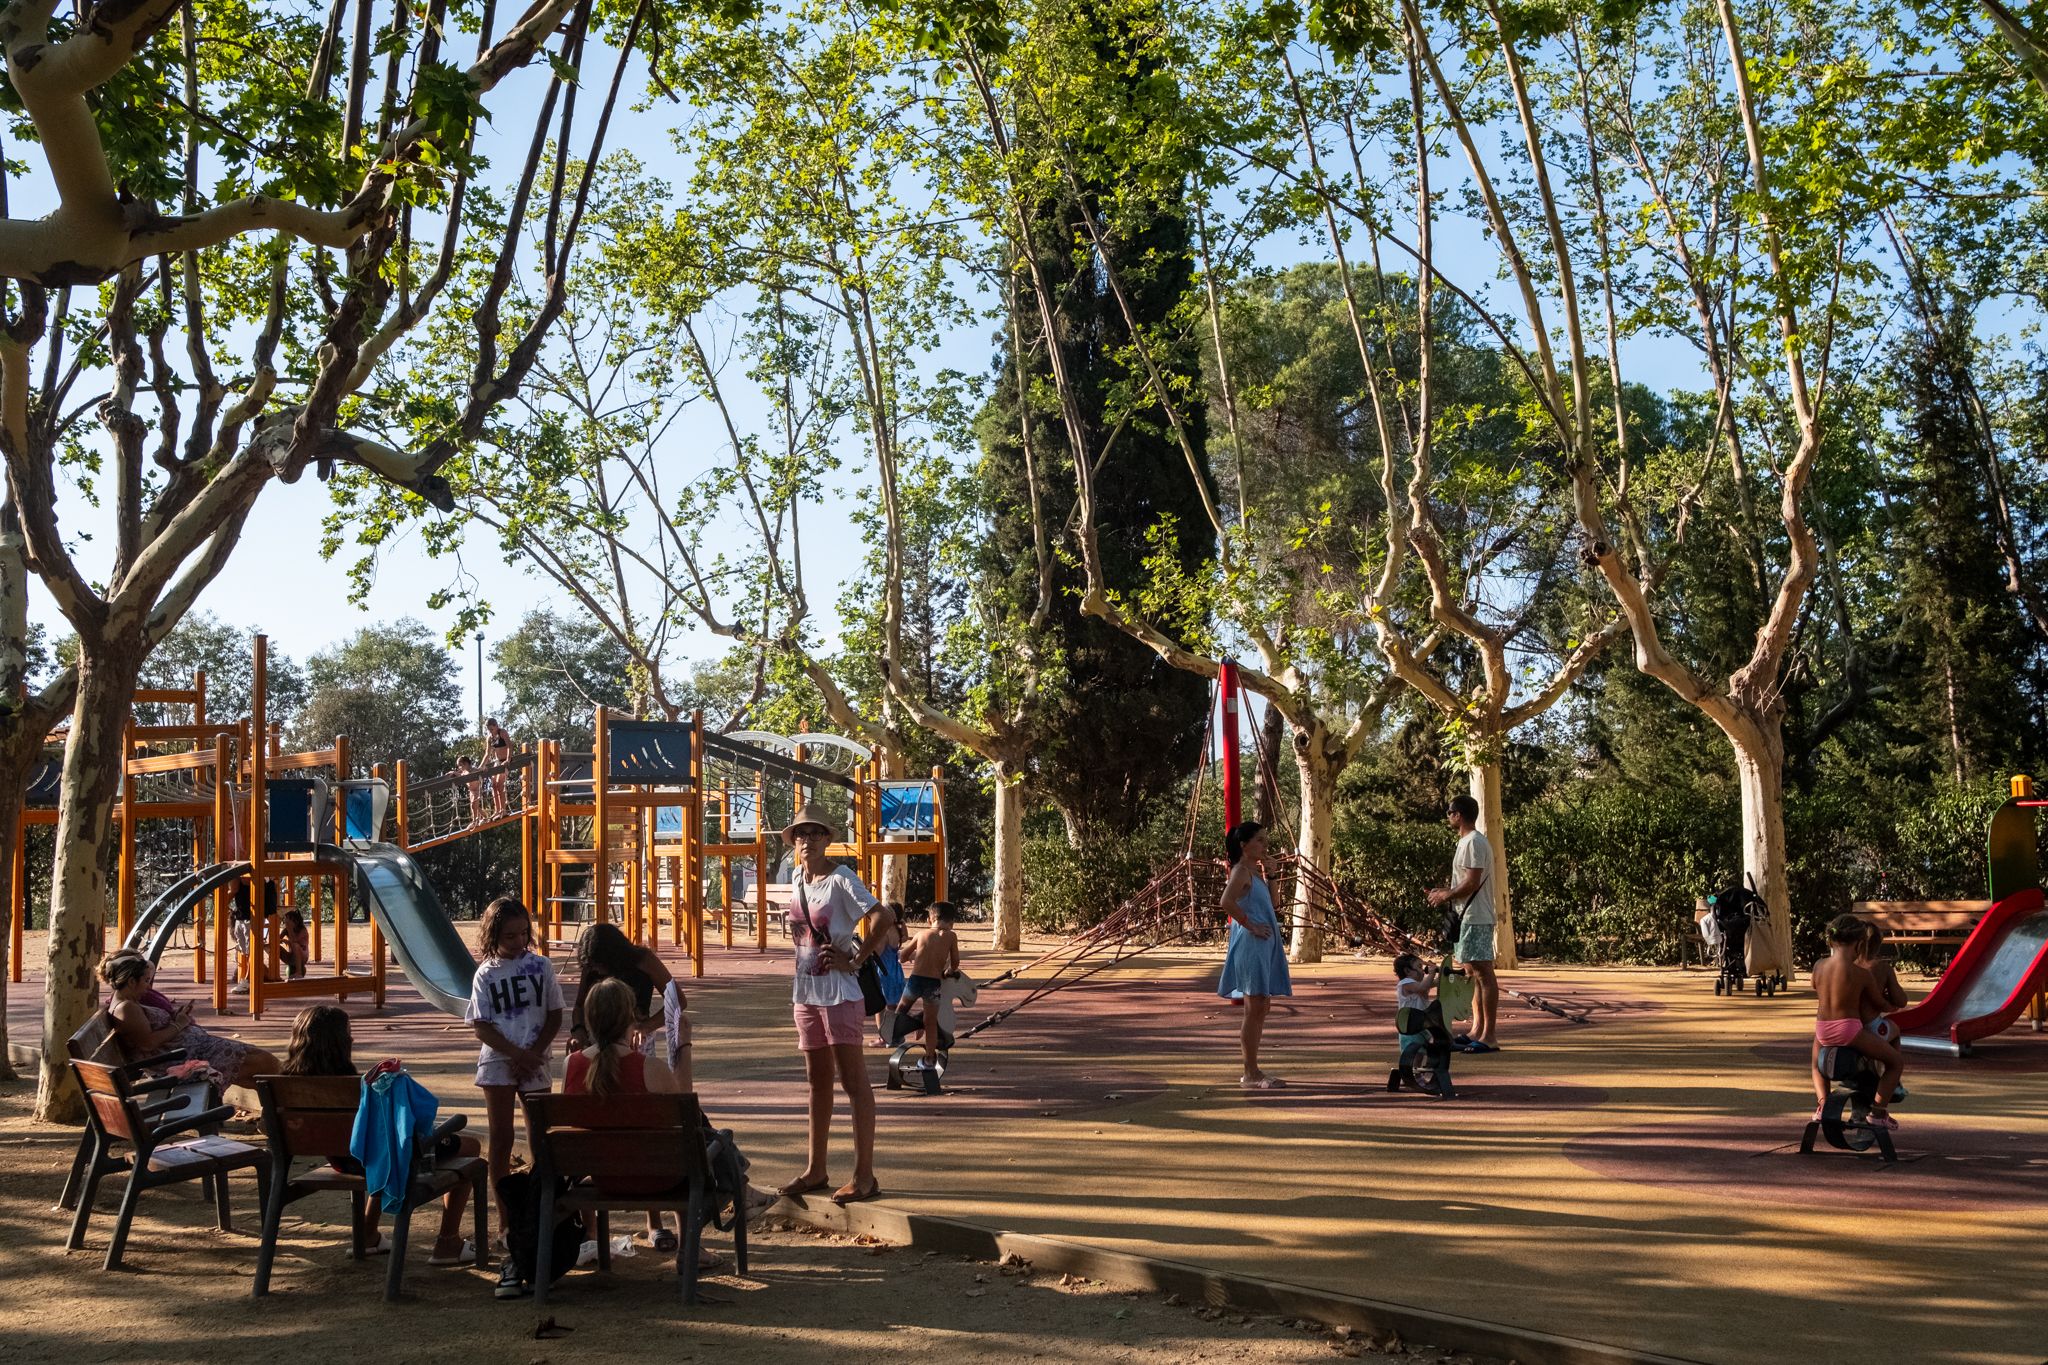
x=821, y=1026
x=1837, y=1032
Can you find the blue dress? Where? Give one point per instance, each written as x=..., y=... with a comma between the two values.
x=1254, y=965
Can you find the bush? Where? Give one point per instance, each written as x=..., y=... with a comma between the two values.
x=1068, y=888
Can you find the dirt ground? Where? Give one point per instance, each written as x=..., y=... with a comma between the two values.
x=183, y=1295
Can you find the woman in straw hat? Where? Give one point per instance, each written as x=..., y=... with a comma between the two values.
x=827, y=906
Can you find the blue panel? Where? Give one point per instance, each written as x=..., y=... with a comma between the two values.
x=651, y=752
x=44, y=781
x=291, y=813
x=668, y=820
x=910, y=808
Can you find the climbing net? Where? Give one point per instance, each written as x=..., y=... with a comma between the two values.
x=1182, y=904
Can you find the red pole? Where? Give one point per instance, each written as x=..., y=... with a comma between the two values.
x=1227, y=685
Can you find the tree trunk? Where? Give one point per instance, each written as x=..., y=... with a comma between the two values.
x=1272, y=729
x=107, y=671
x=1760, y=767
x=895, y=867
x=1007, y=926
x=1486, y=790
x=1314, y=842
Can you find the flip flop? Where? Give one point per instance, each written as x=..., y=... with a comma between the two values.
x=1476, y=1046
x=1264, y=1083
x=852, y=1196
x=797, y=1187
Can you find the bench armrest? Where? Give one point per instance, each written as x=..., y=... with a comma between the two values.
x=213, y=1117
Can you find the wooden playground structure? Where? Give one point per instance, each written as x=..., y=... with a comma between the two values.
x=675, y=841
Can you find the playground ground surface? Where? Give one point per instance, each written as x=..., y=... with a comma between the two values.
x=1634, y=1181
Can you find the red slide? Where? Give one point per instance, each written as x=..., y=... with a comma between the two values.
x=2000, y=967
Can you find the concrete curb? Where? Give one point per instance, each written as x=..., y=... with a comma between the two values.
x=1197, y=1284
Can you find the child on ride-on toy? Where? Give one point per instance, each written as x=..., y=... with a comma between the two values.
x=1849, y=999
x=1425, y=1060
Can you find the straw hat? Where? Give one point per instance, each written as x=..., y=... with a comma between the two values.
x=809, y=814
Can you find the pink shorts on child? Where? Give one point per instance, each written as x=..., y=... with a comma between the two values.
x=820, y=1026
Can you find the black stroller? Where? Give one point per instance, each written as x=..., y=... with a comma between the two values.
x=1732, y=913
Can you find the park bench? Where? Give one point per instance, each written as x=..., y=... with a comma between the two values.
x=124, y=1105
x=1937, y=923
x=312, y=1118
x=641, y=1152
x=96, y=1041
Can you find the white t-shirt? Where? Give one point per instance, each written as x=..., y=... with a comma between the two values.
x=514, y=996
x=1475, y=852
x=1411, y=995
x=831, y=906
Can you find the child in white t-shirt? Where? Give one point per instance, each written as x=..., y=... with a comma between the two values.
x=515, y=1006
x=1417, y=981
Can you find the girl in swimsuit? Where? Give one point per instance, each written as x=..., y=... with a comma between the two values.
x=1848, y=995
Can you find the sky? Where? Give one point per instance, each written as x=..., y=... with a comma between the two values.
x=278, y=582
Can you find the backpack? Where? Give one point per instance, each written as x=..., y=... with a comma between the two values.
x=518, y=1192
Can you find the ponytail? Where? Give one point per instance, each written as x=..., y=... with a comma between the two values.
x=1240, y=834
x=608, y=1012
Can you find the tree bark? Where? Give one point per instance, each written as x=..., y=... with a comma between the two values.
x=1319, y=758
x=1007, y=917
x=1485, y=786
x=78, y=887
x=1760, y=767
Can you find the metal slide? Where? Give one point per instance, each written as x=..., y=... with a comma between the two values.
x=153, y=928
x=419, y=931
x=1999, y=968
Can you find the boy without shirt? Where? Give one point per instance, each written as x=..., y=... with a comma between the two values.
x=1849, y=996
x=931, y=955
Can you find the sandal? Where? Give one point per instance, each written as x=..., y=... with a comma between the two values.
x=850, y=1195
x=710, y=1263
x=800, y=1186
x=466, y=1256
x=1264, y=1083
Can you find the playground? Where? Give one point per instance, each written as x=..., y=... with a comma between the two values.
x=1635, y=1181
x=1631, y=1173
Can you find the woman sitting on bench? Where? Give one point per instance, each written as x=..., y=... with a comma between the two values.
x=612, y=1065
x=147, y=1024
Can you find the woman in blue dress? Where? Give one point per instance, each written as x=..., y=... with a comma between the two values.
x=1255, y=964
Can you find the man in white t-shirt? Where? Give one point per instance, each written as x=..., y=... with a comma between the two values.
x=1471, y=889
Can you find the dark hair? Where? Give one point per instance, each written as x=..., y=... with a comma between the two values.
x=497, y=915
x=605, y=947
x=294, y=919
x=1240, y=834
x=120, y=968
x=1407, y=964
x=942, y=912
x=321, y=1044
x=1464, y=807
x=1847, y=929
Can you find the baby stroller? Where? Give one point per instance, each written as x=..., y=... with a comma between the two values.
x=1726, y=927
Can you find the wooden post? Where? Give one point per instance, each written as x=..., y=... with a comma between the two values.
x=377, y=934
x=760, y=861
x=693, y=847
x=600, y=846
x=17, y=894
x=344, y=763
x=939, y=833
x=223, y=842
x=259, y=923
x=124, y=886
x=398, y=799
x=200, y=837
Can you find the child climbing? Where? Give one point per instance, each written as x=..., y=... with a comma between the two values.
x=1848, y=996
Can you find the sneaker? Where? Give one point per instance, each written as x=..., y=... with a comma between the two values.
x=510, y=1286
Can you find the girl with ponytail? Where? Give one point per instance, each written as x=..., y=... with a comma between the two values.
x=1255, y=963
